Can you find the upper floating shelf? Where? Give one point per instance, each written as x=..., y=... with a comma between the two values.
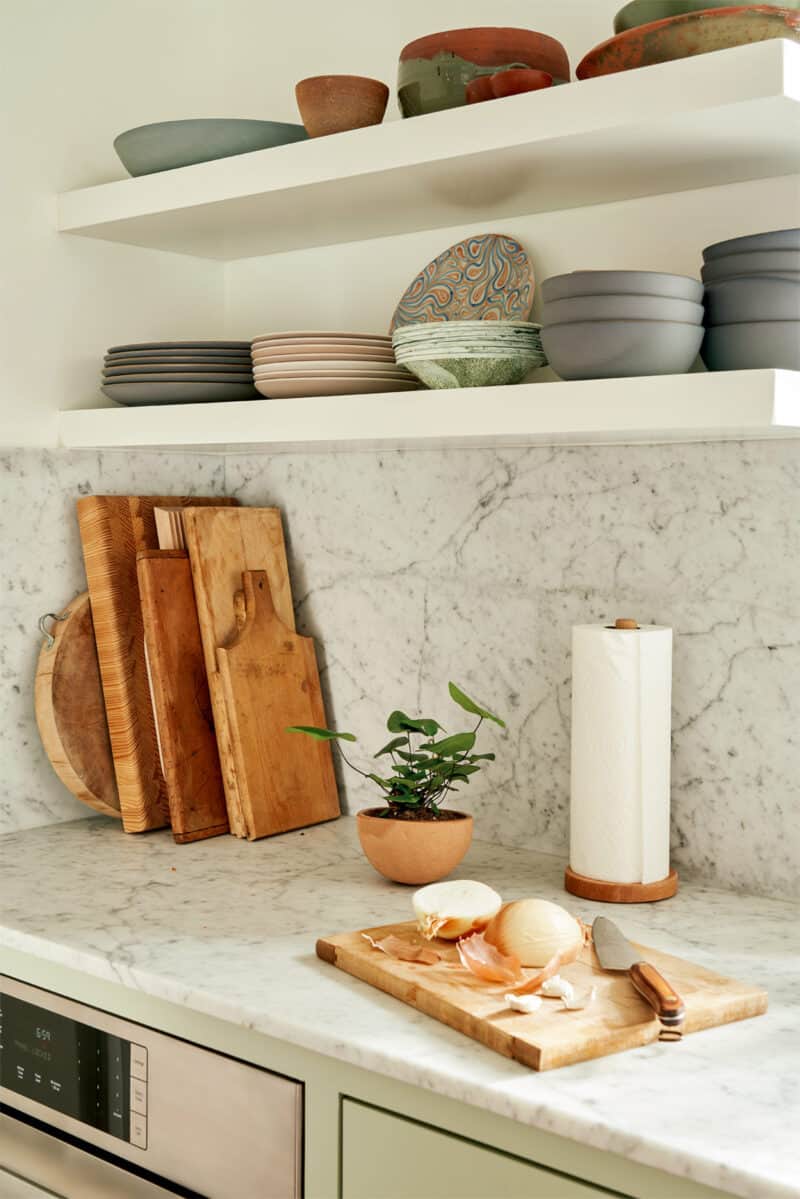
x=720, y=406
x=717, y=118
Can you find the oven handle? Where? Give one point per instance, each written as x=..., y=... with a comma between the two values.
x=44, y=1161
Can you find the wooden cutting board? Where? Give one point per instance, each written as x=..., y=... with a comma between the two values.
x=617, y=1019
x=71, y=712
x=222, y=544
x=181, y=702
x=113, y=529
x=270, y=680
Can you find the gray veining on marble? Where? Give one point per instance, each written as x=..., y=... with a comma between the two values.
x=41, y=570
x=414, y=568
x=179, y=923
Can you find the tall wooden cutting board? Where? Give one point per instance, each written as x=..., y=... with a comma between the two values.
x=71, y=712
x=617, y=1019
x=113, y=529
x=181, y=700
x=270, y=680
x=222, y=544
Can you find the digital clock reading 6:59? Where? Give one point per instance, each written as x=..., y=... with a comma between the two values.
x=43, y=1034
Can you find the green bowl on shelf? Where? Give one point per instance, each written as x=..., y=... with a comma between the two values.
x=167, y=145
x=643, y=12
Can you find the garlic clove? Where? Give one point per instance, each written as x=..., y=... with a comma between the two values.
x=454, y=909
x=523, y=1003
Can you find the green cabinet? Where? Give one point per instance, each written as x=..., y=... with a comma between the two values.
x=385, y=1156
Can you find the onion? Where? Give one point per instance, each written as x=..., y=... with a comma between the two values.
x=536, y=931
x=451, y=910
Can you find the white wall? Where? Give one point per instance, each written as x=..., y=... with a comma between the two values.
x=73, y=76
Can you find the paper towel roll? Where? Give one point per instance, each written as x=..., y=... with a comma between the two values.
x=621, y=715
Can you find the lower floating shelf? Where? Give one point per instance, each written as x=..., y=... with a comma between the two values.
x=723, y=406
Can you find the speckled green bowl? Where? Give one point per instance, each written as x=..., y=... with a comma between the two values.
x=438, y=373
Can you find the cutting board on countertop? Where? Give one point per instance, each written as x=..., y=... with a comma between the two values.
x=617, y=1018
x=222, y=544
x=71, y=711
x=113, y=529
x=270, y=680
x=181, y=702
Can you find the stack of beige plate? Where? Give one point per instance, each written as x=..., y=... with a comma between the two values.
x=286, y=365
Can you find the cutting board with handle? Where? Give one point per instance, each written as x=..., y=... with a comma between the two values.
x=270, y=680
x=618, y=1018
x=113, y=529
x=181, y=702
x=222, y=544
x=71, y=712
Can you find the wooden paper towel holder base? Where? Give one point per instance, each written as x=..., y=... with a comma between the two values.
x=604, y=892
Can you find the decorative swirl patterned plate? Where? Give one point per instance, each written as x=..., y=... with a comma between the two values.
x=489, y=277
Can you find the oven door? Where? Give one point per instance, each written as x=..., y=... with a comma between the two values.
x=33, y=1163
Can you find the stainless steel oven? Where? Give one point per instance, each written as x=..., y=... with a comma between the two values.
x=94, y=1106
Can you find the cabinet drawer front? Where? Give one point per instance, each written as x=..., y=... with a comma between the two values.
x=388, y=1157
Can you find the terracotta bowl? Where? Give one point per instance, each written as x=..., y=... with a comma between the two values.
x=435, y=70
x=413, y=851
x=512, y=82
x=336, y=103
x=689, y=34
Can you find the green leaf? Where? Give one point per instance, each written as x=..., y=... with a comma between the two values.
x=407, y=757
x=459, y=743
x=398, y=722
x=407, y=801
x=320, y=734
x=391, y=746
x=481, y=758
x=384, y=783
x=469, y=705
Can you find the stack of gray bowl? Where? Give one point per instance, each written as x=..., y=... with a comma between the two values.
x=610, y=324
x=753, y=302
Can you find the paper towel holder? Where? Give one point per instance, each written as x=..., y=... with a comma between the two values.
x=608, y=892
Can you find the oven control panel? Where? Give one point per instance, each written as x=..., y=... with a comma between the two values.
x=74, y=1068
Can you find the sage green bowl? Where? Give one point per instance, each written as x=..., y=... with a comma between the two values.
x=167, y=145
x=643, y=12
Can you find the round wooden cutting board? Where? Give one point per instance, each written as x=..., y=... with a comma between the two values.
x=71, y=711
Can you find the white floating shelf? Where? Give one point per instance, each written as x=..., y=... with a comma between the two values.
x=735, y=405
x=698, y=122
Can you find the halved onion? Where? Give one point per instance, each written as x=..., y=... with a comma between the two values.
x=452, y=910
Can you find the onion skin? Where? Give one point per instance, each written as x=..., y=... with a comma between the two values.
x=535, y=931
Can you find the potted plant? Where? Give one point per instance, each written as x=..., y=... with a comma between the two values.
x=413, y=839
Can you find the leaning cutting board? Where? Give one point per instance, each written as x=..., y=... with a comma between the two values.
x=71, y=712
x=617, y=1019
x=181, y=702
x=222, y=544
x=113, y=529
x=270, y=680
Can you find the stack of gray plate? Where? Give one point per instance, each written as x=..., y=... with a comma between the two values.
x=178, y=372
x=753, y=302
x=611, y=324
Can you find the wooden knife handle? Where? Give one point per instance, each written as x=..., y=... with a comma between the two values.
x=653, y=987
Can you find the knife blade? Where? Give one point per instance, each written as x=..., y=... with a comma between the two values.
x=615, y=952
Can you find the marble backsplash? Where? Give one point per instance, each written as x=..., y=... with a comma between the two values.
x=414, y=568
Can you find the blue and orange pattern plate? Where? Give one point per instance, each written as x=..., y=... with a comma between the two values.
x=488, y=277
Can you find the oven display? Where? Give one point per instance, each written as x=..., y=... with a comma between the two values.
x=73, y=1068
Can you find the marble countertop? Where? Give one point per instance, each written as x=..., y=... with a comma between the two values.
x=228, y=928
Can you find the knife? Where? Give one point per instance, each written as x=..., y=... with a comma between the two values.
x=615, y=952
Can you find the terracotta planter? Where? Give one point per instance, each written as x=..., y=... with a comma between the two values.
x=413, y=851
x=336, y=103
